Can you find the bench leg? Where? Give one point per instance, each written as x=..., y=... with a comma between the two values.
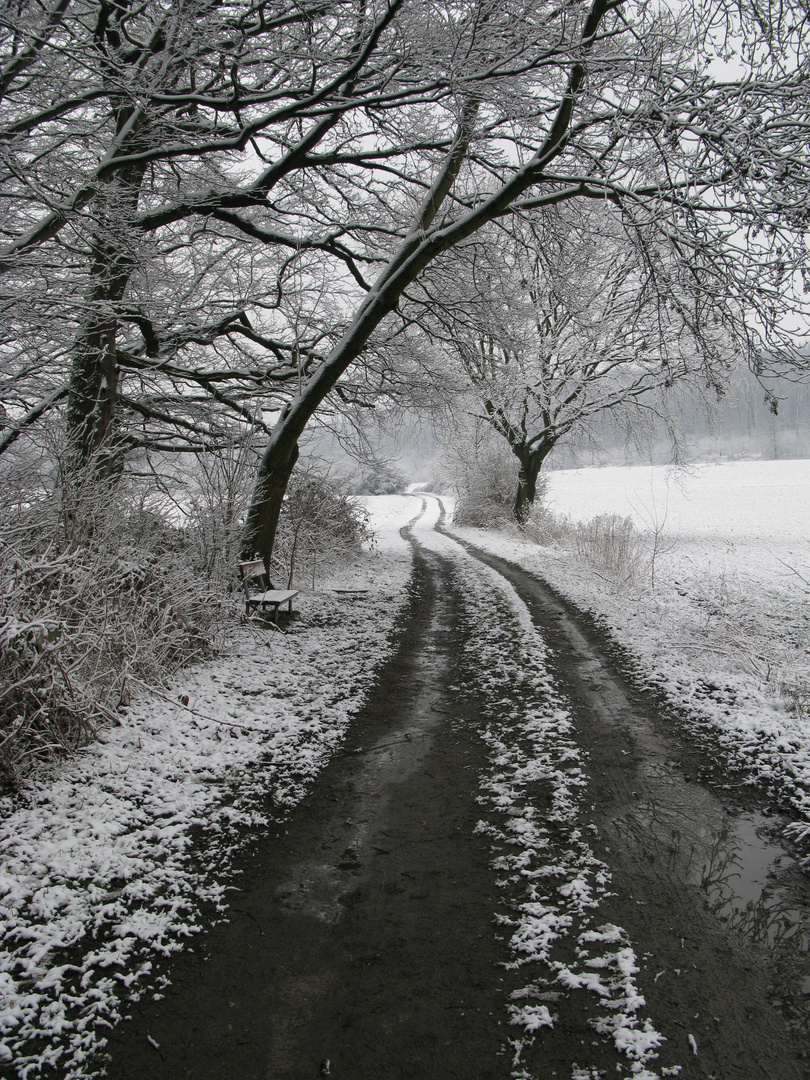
x=273, y=609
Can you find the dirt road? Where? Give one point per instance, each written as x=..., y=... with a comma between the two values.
x=371, y=938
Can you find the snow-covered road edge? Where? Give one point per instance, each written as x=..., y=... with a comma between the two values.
x=117, y=856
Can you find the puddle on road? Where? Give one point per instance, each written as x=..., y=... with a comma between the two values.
x=751, y=882
x=747, y=878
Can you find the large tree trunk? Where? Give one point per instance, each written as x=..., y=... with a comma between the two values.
x=531, y=461
x=93, y=391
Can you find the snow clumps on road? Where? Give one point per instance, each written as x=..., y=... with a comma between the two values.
x=547, y=868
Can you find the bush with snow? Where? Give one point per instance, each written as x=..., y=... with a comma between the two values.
x=91, y=596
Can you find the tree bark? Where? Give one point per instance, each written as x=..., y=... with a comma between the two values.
x=275, y=470
x=92, y=396
x=531, y=461
x=93, y=390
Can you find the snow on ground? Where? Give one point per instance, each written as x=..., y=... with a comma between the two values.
x=540, y=854
x=114, y=857
x=117, y=856
x=722, y=627
x=743, y=501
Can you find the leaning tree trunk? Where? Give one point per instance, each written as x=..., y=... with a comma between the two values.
x=275, y=470
x=531, y=461
x=281, y=454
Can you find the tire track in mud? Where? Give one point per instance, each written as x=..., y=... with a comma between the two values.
x=360, y=943
x=362, y=934
x=712, y=985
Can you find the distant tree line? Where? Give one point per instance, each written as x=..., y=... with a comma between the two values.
x=744, y=422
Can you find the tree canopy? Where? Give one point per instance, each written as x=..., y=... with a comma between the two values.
x=214, y=209
x=554, y=323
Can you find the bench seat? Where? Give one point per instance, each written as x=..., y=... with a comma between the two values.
x=273, y=596
x=265, y=599
x=271, y=600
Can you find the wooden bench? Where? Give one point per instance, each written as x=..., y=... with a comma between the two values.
x=268, y=599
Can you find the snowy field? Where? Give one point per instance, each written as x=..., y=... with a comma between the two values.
x=722, y=625
x=749, y=518
x=765, y=502
x=99, y=873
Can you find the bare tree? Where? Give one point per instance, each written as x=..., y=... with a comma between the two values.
x=570, y=318
x=174, y=177
x=154, y=175
x=614, y=107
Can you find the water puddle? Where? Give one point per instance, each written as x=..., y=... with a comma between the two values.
x=747, y=879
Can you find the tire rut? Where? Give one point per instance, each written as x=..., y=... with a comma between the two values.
x=713, y=987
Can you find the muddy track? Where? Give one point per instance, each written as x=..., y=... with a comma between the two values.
x=725, y=962
x=362, y=933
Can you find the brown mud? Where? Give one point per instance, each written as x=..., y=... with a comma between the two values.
x=362, y=944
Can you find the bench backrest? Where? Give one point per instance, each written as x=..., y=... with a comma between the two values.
x=254, y=571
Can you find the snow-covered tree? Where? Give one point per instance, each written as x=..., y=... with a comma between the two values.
x=569, y=318
x=210, y=206
x=175, y=200
x=635, y=109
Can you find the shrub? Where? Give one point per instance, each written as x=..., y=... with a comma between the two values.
x=546, y=528
x=319, y=528
x=611, y=544
x=220, y=487
x=101, y=587
x=96, y=592
x=376, y=480
x=487, y=483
